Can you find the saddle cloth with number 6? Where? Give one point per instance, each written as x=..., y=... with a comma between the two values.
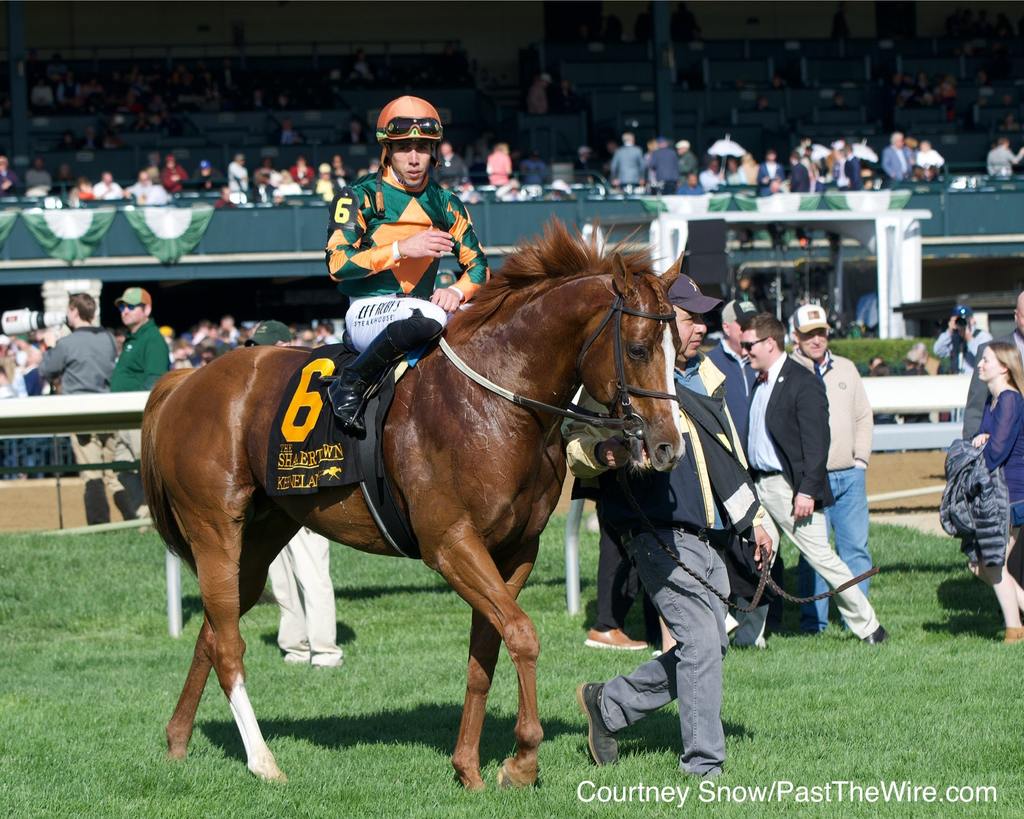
x=309, y=452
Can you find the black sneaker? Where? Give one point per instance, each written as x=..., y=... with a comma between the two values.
x=879, y=635
x=604, y=748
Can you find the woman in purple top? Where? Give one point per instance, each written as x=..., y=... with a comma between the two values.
x=1002, y=436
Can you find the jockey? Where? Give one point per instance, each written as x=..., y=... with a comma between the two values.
x=386, y=235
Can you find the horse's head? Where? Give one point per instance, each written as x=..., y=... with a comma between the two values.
x=629, y=365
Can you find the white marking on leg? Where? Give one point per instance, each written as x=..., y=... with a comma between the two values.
x=670, y=383
x=259, y=759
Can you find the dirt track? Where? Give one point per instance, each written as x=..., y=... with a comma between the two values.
x=28, y=504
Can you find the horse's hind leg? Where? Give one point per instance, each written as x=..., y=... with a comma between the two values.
x=484, y=644
x=179, y=729
x=230, y=581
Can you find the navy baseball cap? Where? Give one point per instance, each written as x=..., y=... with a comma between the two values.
x=205, y=164
x=685, y=293
x=963, y=311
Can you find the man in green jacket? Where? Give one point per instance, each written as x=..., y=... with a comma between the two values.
x=144, y=358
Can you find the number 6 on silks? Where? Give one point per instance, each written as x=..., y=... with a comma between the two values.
x=304, y=397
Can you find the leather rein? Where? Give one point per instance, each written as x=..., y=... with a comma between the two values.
x=632, y=424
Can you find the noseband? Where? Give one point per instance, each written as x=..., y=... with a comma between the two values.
x=632, y=424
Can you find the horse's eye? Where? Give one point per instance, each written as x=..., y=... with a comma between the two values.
x=638, y=352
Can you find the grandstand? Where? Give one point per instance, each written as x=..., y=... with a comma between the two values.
x=217, y=83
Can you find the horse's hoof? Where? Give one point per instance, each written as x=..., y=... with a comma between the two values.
x=508, y=777
x=474, y=785
x=177, y=753
x=267, y=770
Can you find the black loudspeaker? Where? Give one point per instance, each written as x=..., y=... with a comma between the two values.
x=706, y=261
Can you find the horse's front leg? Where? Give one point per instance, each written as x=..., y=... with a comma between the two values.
x=484, y=643
x=465, y=563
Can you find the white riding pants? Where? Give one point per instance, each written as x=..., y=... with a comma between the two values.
x=367, y=318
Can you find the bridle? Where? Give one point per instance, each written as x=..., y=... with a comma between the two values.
x=629, y=421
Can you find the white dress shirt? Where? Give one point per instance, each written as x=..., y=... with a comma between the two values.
x=760, y=449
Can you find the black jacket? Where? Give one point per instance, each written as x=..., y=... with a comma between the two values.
x=797, y=422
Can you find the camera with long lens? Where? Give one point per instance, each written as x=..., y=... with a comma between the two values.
x=961, y=323
x=16, y=322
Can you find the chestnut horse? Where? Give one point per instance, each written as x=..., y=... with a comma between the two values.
x=477, y=475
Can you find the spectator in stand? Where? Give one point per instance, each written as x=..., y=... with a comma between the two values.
x=82, y=192
x=585, y=163
x=845, y=168
x=224, y=201
x=107, y=189
x=288, y=135
x=533, y=170
x=628, y=164
x=712, y=176
x=915, y=362
x=356, y=134
x=361, y=71
x=41, y=97
x=83, y=362
x=733, y=174
x=450, y=171
x=69, y=93
x=691, y=186
x=263, y=191
x=90, y=140
x=9, y=182
x=537, y=95
x=1001, y=159
x=325, y=183
x=238, y=174
x=173, y=176
x=274, y=176
x=928, y=160
x=499, y=165
x=687, y=160
x=961, y=341
x=288, y=186
x=749, y=168
x=566, y=100
x=302, y=173
x=1009, y=123
x=767, y=171
x=37, y=179
x=338, y=171
x=799, y=178
x=663, y=164
x=144, y=192
x=66, y=178
x=897, y=161
x=207, y=176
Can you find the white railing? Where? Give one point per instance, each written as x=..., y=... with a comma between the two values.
x=113, y=411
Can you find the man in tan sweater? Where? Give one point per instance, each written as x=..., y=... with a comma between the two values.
x=851, y=425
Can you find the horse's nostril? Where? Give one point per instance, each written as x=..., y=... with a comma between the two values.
x=663, y=453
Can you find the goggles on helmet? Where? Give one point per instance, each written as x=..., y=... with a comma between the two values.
x=410, y=128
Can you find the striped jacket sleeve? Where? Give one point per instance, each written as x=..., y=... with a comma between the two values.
x=466, y=249
x=347, y=257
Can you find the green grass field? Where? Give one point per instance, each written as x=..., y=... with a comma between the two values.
x=90, y=677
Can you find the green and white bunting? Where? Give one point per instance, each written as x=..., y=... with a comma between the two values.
x=169, y=233
x=688, y=205
x=7, y=220
x=70, y=234
x=779, y=202
x=871, y=201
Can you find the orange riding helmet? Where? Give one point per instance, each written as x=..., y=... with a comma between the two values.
x=408, y=118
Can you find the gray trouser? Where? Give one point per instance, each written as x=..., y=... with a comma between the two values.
x=693, y=670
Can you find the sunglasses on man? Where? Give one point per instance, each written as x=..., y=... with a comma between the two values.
x=122, y=306
x=747, y=346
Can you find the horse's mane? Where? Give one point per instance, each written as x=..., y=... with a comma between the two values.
x=557, y=255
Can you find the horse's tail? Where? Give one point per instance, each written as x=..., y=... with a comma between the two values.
x=152, y=480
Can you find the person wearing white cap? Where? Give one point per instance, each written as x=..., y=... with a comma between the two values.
x=687, y=161
x=851, y=425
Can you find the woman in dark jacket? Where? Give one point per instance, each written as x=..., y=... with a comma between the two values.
x=1002, y=436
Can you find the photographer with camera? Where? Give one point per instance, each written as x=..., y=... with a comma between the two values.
x=83, y=362
x=961, y=340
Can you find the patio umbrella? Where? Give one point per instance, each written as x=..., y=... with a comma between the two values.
x=726, y=147
x=819, y=152
x=862, y=151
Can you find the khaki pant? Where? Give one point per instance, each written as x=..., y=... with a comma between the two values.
x=96, y=448
x=128, y=447
x=811, y=538
x=301, y=581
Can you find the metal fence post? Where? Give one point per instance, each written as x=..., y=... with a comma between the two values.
x=173, y=564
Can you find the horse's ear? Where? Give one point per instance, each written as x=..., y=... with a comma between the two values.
x=670, y=275
x=622, y=277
